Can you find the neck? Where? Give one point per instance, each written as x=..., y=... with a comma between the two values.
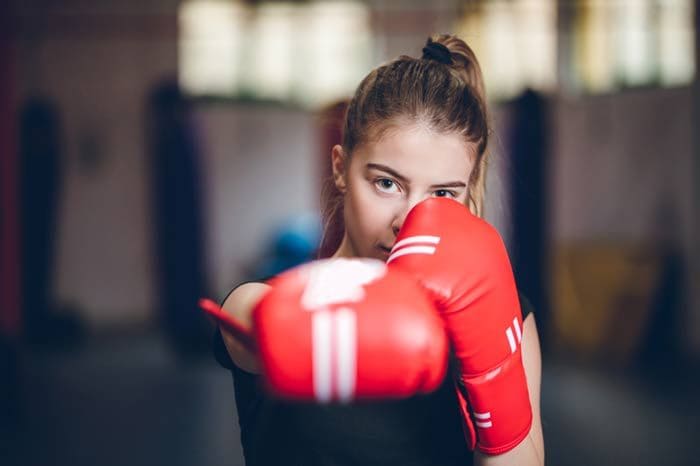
x=345, y=249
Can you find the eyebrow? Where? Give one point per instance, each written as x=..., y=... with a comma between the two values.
x=395, y=174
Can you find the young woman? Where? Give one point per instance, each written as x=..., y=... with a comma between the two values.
x=415, y=129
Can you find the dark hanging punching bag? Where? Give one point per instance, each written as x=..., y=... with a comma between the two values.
x=40, y=178
x=528, y=151
x=177, y=216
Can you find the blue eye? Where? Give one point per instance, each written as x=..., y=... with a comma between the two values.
x=444, y=193
x=386, y=185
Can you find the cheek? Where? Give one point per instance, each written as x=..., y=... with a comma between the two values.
x=369, y=215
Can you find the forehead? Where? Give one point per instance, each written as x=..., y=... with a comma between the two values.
x=417, y=152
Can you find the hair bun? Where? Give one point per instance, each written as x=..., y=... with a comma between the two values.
x=438, y=52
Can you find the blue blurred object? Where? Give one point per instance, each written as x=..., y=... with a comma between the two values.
x=296, y=241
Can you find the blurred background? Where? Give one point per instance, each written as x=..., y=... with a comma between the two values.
x=156, y=151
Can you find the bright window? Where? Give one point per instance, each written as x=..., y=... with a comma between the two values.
x=515, y=41
x=308, y=53
x=580, y=46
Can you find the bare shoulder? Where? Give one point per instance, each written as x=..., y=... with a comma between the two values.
x=531, y=343
x=532, y=362
x=239, y=304
x=532, y=359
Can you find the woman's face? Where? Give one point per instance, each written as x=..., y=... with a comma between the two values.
x=385, y=179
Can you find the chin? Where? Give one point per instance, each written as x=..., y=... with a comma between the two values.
x=380, y=254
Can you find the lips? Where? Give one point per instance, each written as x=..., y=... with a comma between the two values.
x=384, y=249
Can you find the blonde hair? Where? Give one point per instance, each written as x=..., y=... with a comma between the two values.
x=444, y=89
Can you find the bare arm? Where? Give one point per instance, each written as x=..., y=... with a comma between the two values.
x=239, y=305
x=529, y=452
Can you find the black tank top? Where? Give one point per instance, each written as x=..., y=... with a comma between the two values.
x=424, y=430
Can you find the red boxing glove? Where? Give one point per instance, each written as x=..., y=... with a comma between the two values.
x=462, y=262
x=344, y=329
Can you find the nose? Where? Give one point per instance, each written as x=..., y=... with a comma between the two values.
x=400, y=216
x=396, y=228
